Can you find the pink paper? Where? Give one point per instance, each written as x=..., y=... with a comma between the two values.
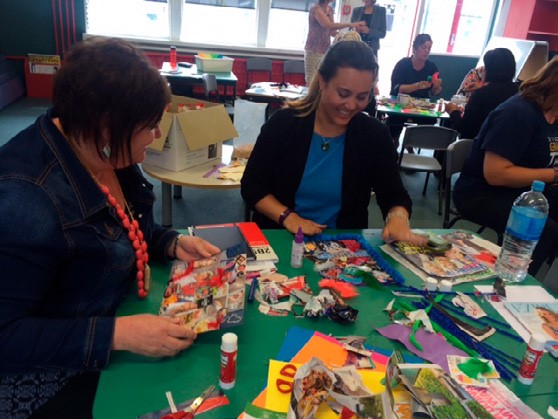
x=435, y=348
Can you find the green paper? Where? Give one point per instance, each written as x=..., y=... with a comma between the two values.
x=473, y=367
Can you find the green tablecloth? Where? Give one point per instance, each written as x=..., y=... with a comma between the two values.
x=134, y=385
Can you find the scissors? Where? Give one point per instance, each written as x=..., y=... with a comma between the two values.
x=190, y=411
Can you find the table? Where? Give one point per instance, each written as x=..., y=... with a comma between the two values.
x=191, y=75
x=390, y=109
x=273, y=93
x=133, y=385
x=193, y=176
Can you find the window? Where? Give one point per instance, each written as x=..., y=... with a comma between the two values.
x=458, y=26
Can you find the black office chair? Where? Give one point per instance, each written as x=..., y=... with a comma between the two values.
x=456, y=155
x=212, y=93
x=257, y=65
x=426, y=137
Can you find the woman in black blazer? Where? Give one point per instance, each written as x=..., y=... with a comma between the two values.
x=375, y=19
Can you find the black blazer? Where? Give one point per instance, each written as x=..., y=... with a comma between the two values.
x=277, y=164
x=377, y=25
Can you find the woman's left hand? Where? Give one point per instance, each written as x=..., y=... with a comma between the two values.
x=192, y=248
x=437, y=86
x=398, y=229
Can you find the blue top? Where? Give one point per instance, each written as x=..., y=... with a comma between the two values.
x=318, y=196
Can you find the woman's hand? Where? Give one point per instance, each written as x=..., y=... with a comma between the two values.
x=423, y=85
x=309, y=227
x=437, y=86
x=360, y=26
x=150, y=335
x=397, y=228
x=450, y=107
x=192, y=248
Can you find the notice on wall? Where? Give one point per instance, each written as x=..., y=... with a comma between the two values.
x=43, y=64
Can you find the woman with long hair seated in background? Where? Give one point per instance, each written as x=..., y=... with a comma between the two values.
x=499, y=66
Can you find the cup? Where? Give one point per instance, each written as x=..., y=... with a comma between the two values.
x=403, y=98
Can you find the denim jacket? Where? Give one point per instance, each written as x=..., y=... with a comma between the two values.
x=66, y=263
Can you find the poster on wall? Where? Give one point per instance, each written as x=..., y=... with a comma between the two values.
x=43, y=64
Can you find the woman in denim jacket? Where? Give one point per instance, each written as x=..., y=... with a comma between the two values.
x=77, y=226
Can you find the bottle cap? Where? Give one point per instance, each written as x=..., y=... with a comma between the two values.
x=538, y=186
x=537, y=341
x=299, y=237
x=229, y=342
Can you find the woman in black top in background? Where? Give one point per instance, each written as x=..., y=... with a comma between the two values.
x=499, y=66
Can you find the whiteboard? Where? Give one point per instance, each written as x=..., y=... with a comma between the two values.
x=530, y=56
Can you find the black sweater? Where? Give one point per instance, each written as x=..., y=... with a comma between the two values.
x=480, y=104
x=279, y=157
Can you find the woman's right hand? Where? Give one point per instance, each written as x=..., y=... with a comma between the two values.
x=359, y=26
x=309, y=227
x=150, y=335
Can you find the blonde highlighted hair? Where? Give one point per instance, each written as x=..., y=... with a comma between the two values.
x=542, y=88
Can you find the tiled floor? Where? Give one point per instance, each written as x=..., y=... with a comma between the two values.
x=208, y=206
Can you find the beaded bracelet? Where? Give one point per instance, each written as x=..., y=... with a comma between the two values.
x=175, y=246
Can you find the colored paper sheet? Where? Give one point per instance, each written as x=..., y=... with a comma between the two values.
x=330, y=352
x=435, y=347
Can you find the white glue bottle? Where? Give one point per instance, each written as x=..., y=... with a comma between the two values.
x=229, y=350
x=297, y=252
x=528, y=367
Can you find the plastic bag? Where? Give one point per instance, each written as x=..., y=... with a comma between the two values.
x=248, y=119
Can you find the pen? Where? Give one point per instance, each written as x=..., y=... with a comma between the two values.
x=252, y=292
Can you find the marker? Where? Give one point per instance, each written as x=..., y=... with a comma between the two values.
x=252, y=292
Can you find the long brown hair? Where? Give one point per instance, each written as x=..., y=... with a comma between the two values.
x=343, y=54
x=542, y=88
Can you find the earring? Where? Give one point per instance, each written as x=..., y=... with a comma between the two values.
x=106, y=151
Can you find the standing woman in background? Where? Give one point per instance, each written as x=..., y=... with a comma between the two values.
x=374, y=18
x=321, y=28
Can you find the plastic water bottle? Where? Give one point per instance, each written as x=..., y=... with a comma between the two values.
x=525, y=224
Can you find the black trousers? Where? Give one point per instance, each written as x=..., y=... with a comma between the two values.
x=492, y=209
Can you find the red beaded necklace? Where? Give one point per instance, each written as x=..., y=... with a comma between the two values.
x=143, y=275
x=136, y=237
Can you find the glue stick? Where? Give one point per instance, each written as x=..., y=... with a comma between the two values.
x=297, y=252
x=528, y=367
x=229, y=350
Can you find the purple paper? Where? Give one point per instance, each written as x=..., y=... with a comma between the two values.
x=435, y=348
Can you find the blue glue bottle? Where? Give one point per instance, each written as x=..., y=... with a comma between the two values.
x=297, y=252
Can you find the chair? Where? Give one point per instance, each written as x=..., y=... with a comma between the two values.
x=456, y=154
x=293, y=68
x=257, y=65
x=426, y=137
x=212, y=93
